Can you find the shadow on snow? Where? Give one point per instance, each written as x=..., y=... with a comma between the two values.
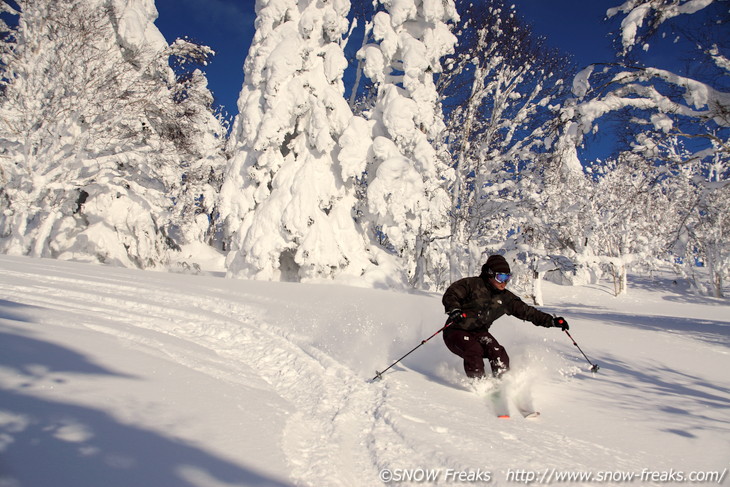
x=82, y=446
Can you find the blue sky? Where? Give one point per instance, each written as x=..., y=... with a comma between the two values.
x=574, y=26
x=227, y=26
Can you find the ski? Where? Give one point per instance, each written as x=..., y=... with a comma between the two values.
x=499, y=395
x=526, y=409
x=530, y=414
x=499, y=403
x=522, y=399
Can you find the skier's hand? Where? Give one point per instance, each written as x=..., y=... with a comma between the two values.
x=559, y=322
x=456, y=316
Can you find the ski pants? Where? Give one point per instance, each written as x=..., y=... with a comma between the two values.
x=474, y=347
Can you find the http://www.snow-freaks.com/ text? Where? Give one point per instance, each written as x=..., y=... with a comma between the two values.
x=550, y=476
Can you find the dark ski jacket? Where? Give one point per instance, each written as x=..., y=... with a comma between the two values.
x=483, y=304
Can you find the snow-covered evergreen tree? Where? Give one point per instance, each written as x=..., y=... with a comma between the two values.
x=90, y=133
x=200, y=146
x=287, y=199
x=406, y=197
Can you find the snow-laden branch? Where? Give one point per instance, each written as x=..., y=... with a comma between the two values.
x=652, y=12
x=652, y=92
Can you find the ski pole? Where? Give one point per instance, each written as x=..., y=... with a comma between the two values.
x=379, y=375
x=594, y=367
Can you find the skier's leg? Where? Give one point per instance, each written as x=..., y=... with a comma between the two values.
x=495, y=353
x=466, y=345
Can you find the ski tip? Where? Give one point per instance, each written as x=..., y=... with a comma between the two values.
x=533, y=415
x=503, y=416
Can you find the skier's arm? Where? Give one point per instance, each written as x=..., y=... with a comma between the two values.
x=455, y=296
x=524, y=311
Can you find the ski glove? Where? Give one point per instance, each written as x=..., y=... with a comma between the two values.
x=559, y=322
x=456, y=316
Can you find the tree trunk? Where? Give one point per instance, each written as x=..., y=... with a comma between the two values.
x=537, y=287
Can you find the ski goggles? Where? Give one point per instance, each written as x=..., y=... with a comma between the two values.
x=502, y=277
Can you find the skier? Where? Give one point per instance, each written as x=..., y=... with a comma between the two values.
x=473, y=304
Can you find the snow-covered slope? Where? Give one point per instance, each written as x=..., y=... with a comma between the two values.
x=117, y=377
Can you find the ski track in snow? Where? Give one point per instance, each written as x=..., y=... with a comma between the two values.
x=331, y=431
x=340, y=429
x=326, y=398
